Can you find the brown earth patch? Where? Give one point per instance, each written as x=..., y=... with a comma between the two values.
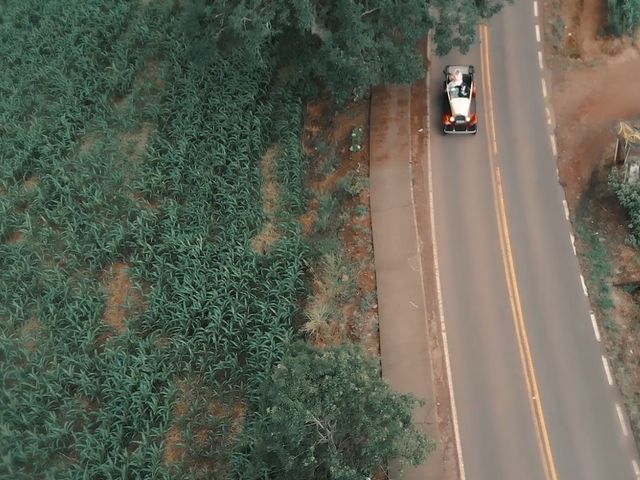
x=206, y=449
x=162, y=342
x=150, y=74
x=269, y=234
x=15, y=236
x=135, y=142
x=89, y=404
x=173, y=446
x=122, y=298
x=264, y=240
x=143, y=201
x=148, y=80
x=30, y=183
x=29, y=332
x=588, y=102
x=590, y=88
x=87, y=142
x=119, y=102
x=308, y=219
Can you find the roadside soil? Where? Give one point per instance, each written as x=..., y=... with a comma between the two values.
x=340, y=172
x=592, y=78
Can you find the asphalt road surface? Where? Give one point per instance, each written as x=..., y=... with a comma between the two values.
x=533, y=397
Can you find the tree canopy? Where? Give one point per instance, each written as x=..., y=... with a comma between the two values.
x=345, y=45
x=327, y=414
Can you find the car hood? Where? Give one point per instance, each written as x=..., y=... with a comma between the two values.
x=460, y=106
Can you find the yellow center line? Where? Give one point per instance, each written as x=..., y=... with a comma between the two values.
x=512, y=285
x=484, y=49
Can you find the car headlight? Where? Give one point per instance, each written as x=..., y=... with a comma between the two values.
x=468, y=119
x=452, y=118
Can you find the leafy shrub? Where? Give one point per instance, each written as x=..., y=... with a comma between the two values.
x=353, y=184
x=623, y=16
x=629, y=197
x=327, y=414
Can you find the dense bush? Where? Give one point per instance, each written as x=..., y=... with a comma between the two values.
x=308, y=423
x=629, y=197
x=623, y=16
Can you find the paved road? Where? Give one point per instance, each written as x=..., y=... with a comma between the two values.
x=571, y=430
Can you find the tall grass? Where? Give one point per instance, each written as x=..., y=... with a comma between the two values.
x=79, y=400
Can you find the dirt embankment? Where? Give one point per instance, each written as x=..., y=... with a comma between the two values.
x=593, y=84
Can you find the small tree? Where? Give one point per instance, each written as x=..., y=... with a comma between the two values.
x=327, y=414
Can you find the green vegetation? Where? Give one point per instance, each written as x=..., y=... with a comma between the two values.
x=624, y=340
x=629, y=197
x=308, y=426
x=599, y=263
x=353, y=43
x=456, y=22
x=558, y=33
x=356, y=140
x=623, y=16
x=138, y=328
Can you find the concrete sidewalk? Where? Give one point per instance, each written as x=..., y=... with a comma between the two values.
x=402, y=300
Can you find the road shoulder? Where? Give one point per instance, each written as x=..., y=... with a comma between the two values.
x=398, y=203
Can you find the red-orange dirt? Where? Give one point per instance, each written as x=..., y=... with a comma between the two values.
x=191, y=411
x=123, y=298
x=590, y=92
x=335, y=169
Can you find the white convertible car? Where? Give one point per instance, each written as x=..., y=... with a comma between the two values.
x=459, y=100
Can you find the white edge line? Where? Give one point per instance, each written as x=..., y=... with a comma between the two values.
x=544, y=88
x=605, y=364
x=537, y=33
x=436, y=269
x=566, y=209
x=594, y=323
x=584, y=286
x=623, y=423
x=573, y=242
x=540, y=64
x=535, y=8
x=554, y=147
x=636, y=468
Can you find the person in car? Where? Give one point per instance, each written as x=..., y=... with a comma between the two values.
x=455, y=79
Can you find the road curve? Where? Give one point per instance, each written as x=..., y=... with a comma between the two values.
x=572, y=428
